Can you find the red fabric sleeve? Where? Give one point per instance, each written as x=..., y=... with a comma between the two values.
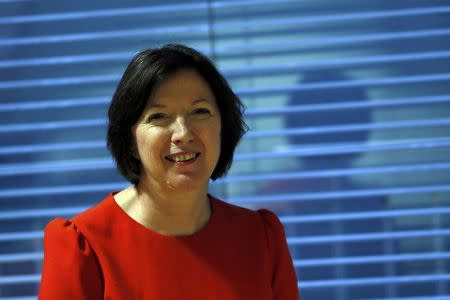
x=70, y=269
x=284, y=280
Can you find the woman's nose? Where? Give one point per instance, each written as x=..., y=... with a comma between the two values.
x=182, y=131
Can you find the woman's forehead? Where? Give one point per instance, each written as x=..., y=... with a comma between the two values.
x=185, y=86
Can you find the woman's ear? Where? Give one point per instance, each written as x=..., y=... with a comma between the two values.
x=134, y=150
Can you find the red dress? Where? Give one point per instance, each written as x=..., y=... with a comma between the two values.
x=103, y=253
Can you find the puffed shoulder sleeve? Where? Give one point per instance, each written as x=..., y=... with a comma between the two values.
x=70, y=268
x=284, y=280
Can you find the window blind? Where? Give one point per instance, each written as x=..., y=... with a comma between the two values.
x=349, y=109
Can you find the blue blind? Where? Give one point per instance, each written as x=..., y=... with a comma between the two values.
x=348, y=105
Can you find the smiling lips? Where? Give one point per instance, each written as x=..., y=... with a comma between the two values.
x=183, y=157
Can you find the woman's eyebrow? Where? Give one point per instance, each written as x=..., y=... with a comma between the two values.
x=199, y=101
x=158, y=105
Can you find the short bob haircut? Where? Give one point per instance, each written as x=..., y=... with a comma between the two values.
x=143, y=74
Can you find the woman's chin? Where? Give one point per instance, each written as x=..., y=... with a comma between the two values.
x=186, y=183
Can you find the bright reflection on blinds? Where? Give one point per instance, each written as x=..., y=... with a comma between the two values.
x=348, y=104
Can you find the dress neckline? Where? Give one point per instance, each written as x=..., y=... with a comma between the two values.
x=195, y=236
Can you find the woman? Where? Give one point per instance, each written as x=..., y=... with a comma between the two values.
x=173, y=124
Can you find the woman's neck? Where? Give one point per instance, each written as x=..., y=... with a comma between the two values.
x=169, y=213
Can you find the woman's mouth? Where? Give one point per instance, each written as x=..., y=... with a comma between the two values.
x=185, y=157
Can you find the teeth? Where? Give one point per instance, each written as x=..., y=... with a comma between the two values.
x=184, y=157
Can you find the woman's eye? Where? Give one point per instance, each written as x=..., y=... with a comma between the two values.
x=156, y=117
x=201, y=111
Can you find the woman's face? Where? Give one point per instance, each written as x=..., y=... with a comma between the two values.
x=178, y=134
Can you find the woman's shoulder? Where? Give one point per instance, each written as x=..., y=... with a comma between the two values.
x=60, y=229
x=234, y=211
x=67, y=255
x=96, y=213
x=94, y=219
x=272, y=225
x=64, y=241
x=266, y=216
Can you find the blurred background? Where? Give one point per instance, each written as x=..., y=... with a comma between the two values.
x=348, y=104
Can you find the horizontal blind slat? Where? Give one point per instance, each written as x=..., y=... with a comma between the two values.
x=107, y=187
x=59, y=190
x=66, y=16
x=77, y=37
x=345, y=84
x=346, y=194
x=319, y=239
x=336, y=172
x=329, y=217
x=373, y=281
x=56, y=103
x=371, y=259
x=153, y=9
x=233, y=71
x=21, y=257
x=319, y=150
x=352, y=237
x=329, y=63
x=19, y=298
x=347, y=105
x=412, y=298
x=54, y=125
x=242, y=91
x=250, y=112
x=304, y=284
x=330, y=41
x=365, y=215
x=32, y=256
x=98, y=164
x=214, y=5
x=306, y=130
x=48, y=212
x=16, y=279
x=20, y=236
x=21, y=149
x=302, y=152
